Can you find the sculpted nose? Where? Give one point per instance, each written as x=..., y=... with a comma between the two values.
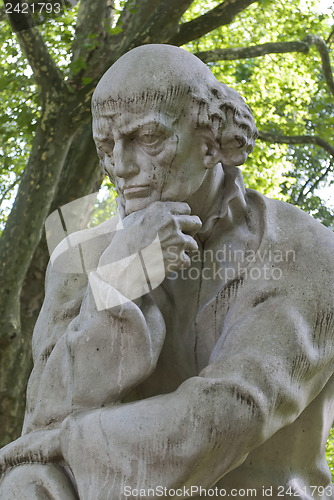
x=124, y=159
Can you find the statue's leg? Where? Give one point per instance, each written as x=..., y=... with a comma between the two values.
x=86, y=448
x=37, y=482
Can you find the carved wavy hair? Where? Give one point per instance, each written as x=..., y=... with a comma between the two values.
x=225, y=113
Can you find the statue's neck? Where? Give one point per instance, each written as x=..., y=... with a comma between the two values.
x=208, y=197
x=222, y=194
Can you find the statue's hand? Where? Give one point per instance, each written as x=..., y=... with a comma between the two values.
x=171, y=221
x=36, y=447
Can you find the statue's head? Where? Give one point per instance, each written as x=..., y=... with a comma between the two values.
x=166, y=101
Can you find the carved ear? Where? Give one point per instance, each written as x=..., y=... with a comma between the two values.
x=238, y=137
x=234, y=150
x=210, y=156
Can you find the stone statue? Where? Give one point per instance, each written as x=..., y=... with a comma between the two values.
x=192, y=354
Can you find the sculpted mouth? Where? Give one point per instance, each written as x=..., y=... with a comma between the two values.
x=135, y=191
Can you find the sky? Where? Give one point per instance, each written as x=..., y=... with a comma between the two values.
x=325, y=4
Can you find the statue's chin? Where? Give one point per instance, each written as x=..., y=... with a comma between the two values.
x=136, y=204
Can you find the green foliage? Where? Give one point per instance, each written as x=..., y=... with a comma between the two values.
x=58, y=35
x=114, y=31
x=330, y=452
x=19, y=111
x=19, y=104
x=287, y=93
x=309, y=172
x=106, y=205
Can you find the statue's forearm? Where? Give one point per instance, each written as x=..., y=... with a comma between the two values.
x=186, y=435
x=35, y=447
x=122, y=345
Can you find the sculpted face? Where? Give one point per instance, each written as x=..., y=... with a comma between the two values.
x=161, y=121
x=147, y=140
x=150, y=155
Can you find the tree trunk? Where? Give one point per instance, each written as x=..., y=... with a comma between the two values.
x=80, y=176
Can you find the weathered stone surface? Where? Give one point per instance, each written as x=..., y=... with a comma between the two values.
x=188, y=342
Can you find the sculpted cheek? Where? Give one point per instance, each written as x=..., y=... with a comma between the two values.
x=168, y=158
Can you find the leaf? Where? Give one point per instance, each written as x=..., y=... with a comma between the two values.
x=114, y=31
x=85, y=80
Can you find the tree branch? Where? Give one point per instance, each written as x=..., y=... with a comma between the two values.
x=135, y=13
x=221, y=15
x=91, y=18
x=321, y=178
x=141, y=21
x=9, y=188
x=233, y=53
x=132, y=19
x=163, y=22
x=47, y=74
x=301, y=192
x=324, y=54
x=304, y=46
x=297, y=139
x=150, y=21
x=329, y=39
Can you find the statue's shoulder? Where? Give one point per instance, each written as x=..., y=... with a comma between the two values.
x=289, y=223
x=307, y=246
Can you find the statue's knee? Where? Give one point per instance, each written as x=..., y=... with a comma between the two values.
x=37, y=482
x=17, y=484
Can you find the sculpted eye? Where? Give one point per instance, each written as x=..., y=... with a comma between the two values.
x=149, y=139
x=106, y=150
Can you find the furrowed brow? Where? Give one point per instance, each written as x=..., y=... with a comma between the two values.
x=137, y=125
